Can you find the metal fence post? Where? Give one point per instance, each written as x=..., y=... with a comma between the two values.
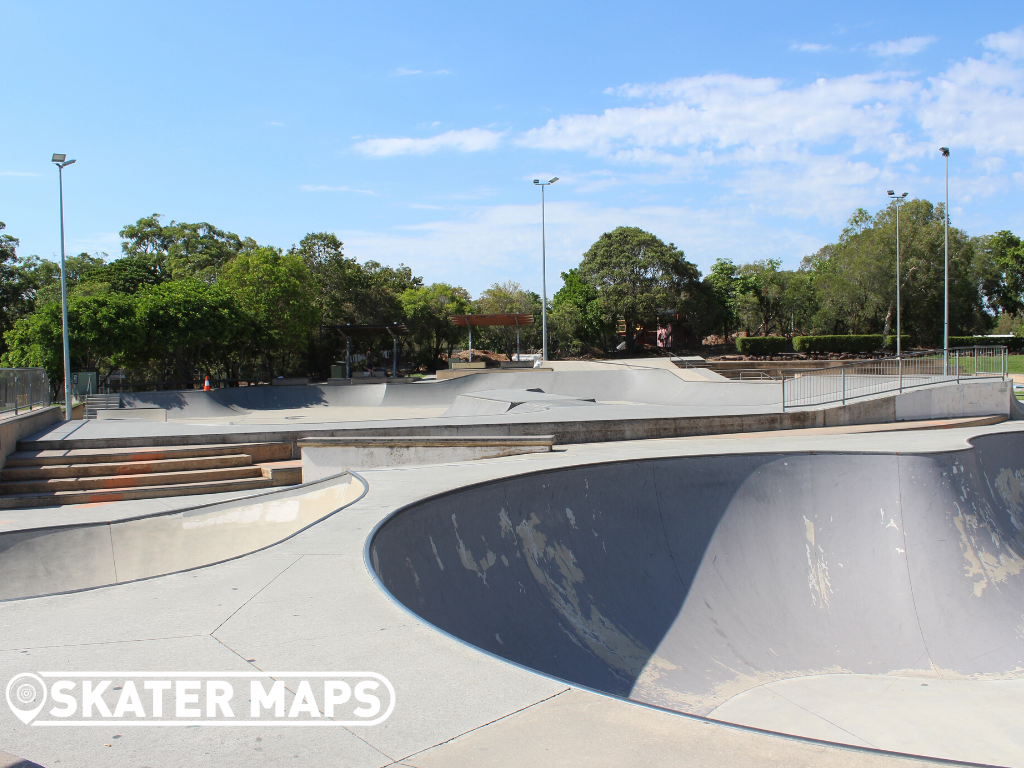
x=900, y=364
x=30, y=393
x=783, y=391
x=844, y=385
x=958, y=366
x=15, y=394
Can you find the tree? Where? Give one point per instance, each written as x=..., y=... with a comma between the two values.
x=103, y=332
x=378, y=299
x=336, y=277
x=637, y=277
x=761, y=288
x=577, y=319
x=182, y=250
x=275, y=292
x=1000, y=266
x=17, y=286
x=508, y=298
x=723, y=287
x=427, y=310
x=855, y=278
x=188, y=327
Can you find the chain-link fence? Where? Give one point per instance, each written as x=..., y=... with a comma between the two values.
x=22, y=389
x=892, y=374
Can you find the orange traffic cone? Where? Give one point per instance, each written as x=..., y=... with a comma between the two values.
x=206, y=385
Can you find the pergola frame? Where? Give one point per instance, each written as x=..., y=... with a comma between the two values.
x=518, y=319
x=394, y=330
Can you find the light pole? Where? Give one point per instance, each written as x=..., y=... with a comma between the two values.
x=61, y=162
x=945, y=285
x=543, y=269
x=899, y=200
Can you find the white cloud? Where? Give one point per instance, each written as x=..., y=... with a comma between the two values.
x=810, y=47
x=470, y=140
x=18, y=173
x=977, y=104
x=403, y=72
x=724, y=114
x=483, y=245
x=905, y=47
x=325, y=188
x=1008, y=43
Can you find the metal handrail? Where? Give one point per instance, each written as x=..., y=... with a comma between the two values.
x=865, y=378
x=23, y=389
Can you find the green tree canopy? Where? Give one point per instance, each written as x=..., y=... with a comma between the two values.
x=182, y=250
x=638, y=277
x=508, y=298
x=426, y=310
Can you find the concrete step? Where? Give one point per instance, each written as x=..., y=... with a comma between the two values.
x=283, y=472
x=23, y=501
x=35, y=453
x=164, y=479
x=50, y=471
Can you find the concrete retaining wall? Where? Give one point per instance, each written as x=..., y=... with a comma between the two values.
x=955, y=401
x=14, y=428
x=986, y=398
x=322, y=457
x=45, y=561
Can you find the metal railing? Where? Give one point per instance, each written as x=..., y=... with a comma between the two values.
x=22, y=389
x=891, y=374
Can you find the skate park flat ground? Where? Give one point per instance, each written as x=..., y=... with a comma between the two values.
x=312, y=603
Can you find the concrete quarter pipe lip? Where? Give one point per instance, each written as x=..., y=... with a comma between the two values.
x=371, y=565
x=186, y=513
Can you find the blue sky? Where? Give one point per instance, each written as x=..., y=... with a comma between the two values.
x=413, y=130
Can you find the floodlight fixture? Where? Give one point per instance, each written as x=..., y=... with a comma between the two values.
x=944, y=151
x=891, y=193
x=58, y=157
x=536, y=181
x=553, y=180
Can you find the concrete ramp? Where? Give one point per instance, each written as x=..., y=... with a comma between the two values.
x=685, y=582
x=43, y=561
x=493, y=402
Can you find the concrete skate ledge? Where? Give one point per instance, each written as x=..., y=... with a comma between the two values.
x=13, y=428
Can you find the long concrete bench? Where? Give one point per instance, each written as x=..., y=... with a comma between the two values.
x=324, y=456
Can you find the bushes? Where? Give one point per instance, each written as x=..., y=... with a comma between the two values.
x=862, y=343
x=869, y=342
x=890, y=342
x=1016, y=344
x=761, y=345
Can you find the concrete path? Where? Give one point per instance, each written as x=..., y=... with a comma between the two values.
x=310, y=603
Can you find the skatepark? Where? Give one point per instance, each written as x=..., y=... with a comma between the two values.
x=654, y=567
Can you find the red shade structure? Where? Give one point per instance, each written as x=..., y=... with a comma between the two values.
x=518, y=319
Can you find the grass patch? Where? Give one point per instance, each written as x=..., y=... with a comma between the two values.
x=1015, y=363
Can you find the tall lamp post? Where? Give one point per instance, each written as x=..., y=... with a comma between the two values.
x=61, y=161
x=543, y=269
x=945, y=286
x=899, y=200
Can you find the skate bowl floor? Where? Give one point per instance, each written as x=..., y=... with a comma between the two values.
x=868, y=599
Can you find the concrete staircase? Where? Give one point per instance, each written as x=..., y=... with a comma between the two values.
x=96, y=402
x=52, y=477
